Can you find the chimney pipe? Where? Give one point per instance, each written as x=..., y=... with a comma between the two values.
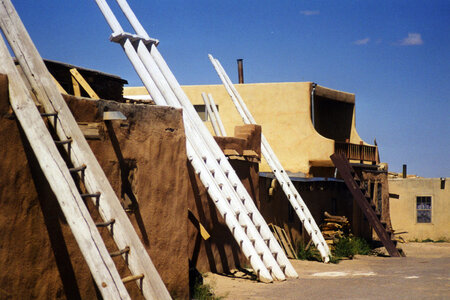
x=240, y=70
x=404, y=171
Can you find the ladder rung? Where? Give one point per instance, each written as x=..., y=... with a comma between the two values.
x=77, y=169
x=55, y=114
x=68, y=141
x=117, y=37
x=132, y=278
x=106, y=224
x=120, y=252
x=95, y=195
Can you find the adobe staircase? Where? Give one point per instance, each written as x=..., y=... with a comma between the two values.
x=78, y=179
x=360, y=194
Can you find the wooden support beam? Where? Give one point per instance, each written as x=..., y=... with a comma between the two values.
x=80, y=79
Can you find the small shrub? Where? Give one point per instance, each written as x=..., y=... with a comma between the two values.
x=427, y=241
x=307, y=254
x=204, y=292
x=350, y=246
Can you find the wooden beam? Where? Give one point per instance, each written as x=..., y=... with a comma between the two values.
x=78, y=77
x=61, y=89
x=76, y=87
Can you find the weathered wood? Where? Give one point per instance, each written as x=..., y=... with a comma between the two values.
x=58, y=176
x=109, y=205
x=283, y=240
x=78, y=77
x=349, y=176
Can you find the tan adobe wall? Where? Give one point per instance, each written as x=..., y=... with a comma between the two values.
x=404, y=213
x=283, y=110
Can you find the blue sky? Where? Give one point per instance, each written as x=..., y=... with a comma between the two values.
x=394, y=55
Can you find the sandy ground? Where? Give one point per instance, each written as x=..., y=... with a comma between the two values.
x=423, y=274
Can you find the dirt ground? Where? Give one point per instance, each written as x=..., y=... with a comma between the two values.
x=423, y=274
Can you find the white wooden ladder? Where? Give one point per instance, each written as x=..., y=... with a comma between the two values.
x=83, y=165
x=288, y=187
x=222, y=183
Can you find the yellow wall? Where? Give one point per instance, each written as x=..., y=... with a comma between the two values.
x=403, y=210
x=283, y=111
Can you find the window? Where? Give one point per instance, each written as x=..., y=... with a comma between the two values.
x=423, y=206
x=202, y=112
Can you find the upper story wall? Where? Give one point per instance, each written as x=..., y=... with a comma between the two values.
x=405, y=210
x=284, y=112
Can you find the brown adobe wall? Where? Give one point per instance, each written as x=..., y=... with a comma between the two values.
x=220, y=253
x=39, y=257
x=145, y=160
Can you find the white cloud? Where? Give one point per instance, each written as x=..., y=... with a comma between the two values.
x=362, y=42
x=310, y=12
x=413, y=39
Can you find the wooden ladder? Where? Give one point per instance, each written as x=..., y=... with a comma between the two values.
x=223, y=185
x=364, y=201
x=40, y=87
x=286, y=184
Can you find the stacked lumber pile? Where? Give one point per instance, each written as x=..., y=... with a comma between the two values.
x=334, y=228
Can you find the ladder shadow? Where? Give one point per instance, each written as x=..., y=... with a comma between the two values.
x=53, y=217
x=126, y=167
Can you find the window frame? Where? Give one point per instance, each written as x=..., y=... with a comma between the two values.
x=424, y=209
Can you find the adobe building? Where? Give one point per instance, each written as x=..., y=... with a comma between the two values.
x=144, y=158
x=305, y=124
x=421, y=209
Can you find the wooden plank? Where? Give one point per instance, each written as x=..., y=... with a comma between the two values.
x=83, y=83
x=91, y=130
x=60, y=88
x=76, y=87
x=282, y=240
x=288, y=241
x=55, y=170
x=46, y=91
x=345, y=170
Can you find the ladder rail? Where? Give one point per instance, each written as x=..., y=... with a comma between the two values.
x=203, y=131
x=220, y=157
x=211, y=115
x=217, y=115
x=159, y=91
x=46, y=91
x=56, y=172
x=287, y=185
x=142, y=51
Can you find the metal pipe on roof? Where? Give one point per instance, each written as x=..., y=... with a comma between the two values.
x=240, y=64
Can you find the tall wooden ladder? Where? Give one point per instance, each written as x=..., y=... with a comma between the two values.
x=362, y=197
x=207, y=159
x=82, y=167
x=282, y=177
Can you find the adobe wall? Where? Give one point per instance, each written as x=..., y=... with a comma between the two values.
x=404, y=211
x=145, y=161
x=284, y=111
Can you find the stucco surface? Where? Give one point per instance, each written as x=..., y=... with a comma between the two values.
x=39, y=257
x=403, y=210
x=284, y=112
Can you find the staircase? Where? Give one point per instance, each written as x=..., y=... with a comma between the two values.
x=364, y=201
x=36, y=101
x=210, y=164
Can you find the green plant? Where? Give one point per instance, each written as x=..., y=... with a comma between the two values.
x=350, y=246
x=204, y=292
x=427, y=241
x=307, y=253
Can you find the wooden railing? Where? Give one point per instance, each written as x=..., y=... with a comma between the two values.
x=357, y=151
